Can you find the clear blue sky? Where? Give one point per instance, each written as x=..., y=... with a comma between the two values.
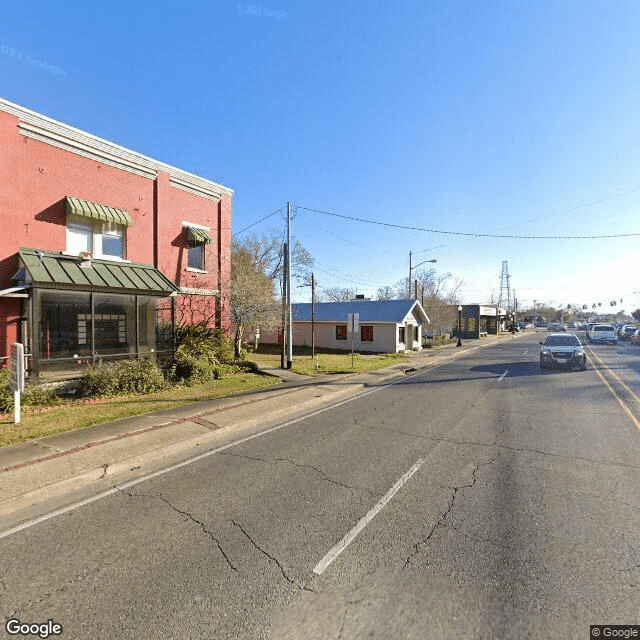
x=518, y=118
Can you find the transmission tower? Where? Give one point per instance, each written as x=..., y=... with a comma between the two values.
x=505, y=290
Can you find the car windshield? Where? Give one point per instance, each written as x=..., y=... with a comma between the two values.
x=603, y=328
x=562, y=341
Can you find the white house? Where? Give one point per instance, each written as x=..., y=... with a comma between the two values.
x=385, y=326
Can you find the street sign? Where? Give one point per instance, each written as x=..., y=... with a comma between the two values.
x=354, y=325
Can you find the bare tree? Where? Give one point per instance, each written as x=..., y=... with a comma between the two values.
x=338, y=294
x=252, y=297
x=267, y=255
x=386, y=293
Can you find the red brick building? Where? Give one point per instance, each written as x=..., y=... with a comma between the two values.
x=100, y=244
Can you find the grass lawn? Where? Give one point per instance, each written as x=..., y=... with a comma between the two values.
x=37, y=422
x=69, y=415
x=325, y=362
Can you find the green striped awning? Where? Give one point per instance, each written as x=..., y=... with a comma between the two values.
x=51, y=270
x=98, y=211
x=198, y=236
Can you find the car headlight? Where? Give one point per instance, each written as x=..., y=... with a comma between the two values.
x=544, y=352
x=578, y=352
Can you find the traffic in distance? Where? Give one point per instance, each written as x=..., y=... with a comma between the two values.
x=564, y=348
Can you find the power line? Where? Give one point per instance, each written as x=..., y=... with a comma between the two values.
x=469, y=234
x=335, y=235
x=255, y=223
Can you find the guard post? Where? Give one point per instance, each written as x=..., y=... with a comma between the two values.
x=17, y=377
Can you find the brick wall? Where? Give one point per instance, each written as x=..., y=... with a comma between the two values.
x=36, y=177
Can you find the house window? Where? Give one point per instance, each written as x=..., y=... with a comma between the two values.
x=366, y=333
x=198, y=237
x=103, y=239
x=79, y=237
x=341, y=332
x=415, y=334
x=401, y=334
x=112, y=241
x=195, y=258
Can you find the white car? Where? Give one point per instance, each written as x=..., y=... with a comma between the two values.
x=603, y=333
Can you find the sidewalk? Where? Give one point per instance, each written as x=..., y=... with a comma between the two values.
x=40, y=475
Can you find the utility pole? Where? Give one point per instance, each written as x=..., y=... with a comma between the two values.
x=415, y=288
x=283, y=353
x=289, y=323
x=313, y=317
x=409, y=296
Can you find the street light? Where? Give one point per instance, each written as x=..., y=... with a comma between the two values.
x=416, y=266
x=459, y=326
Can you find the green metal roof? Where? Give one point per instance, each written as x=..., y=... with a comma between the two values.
x=197, y=236
x=52, y=270
x=98, y=211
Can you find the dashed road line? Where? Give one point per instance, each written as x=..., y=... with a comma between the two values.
x=338, y=548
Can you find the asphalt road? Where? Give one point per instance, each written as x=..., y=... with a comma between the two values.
x=480, y=499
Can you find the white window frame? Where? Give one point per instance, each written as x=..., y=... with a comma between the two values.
x=98, y=229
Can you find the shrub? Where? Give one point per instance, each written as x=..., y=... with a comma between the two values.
x=121, y=377
x=37, y=393
x=202, y=354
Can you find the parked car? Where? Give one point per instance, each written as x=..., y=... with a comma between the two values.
x=562, y=349
x=635, y=338
x=603, y=333
x=556, y=327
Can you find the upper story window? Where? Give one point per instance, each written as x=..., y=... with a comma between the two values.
x=196, y=257
x=96, y=228
x=102, y=239
x=198, y=237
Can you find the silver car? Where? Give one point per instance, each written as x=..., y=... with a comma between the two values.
x=562, y=350
x=603, y=333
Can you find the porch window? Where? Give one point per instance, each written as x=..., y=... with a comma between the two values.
x=366, y=333
x=401, y=334
x=341, y=332
x=70, y=335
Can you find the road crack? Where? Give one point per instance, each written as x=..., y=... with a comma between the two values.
x=317, y=471
x=292, y=581
x=443, y=518
x=190, y=517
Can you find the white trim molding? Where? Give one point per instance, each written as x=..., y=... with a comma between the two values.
x=39, y=127
x=199, y=292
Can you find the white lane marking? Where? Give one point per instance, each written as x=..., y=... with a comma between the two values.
x=524, y=353
x=337, y=549
x=503, y=375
